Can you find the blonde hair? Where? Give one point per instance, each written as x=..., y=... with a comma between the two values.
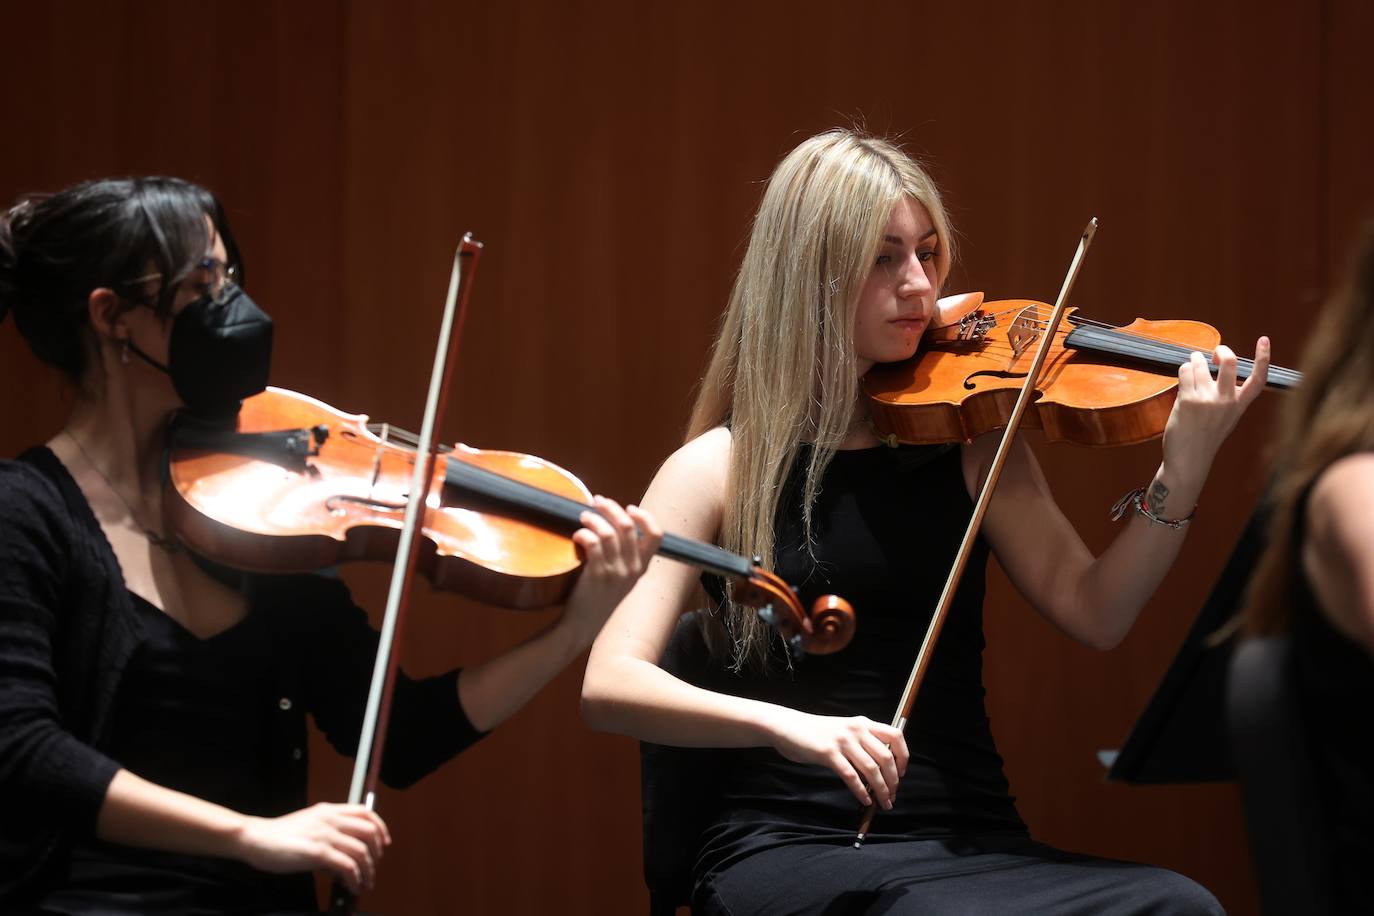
x=1329, y=416
x=783, y=369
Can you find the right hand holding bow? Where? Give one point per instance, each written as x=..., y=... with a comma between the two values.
x=867, y=755
x=347, y=840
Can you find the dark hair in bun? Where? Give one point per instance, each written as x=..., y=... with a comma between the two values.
x=56, y=248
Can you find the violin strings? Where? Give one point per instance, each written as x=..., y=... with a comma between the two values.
x=1039, y=323
x=1079, y=320
x=484, y=482
x=1170, y=354
x=1143, y=346
x=497, y=486
x=1121, y=345
x=403, y=436
x=1134, y=345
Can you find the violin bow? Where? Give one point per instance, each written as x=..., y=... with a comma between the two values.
x=377, y=713
x=980, y=508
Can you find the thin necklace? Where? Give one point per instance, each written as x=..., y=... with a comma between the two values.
x=157, y=540
x=890, y=440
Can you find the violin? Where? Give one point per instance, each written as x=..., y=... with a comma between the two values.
x=1101, y=386
x=297, y=485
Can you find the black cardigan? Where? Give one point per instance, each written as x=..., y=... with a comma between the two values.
x=68, y=629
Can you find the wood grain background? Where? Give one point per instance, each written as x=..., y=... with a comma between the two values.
x=610, y=157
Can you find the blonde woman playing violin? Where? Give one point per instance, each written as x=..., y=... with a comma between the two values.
x=153, y=709
x=847, y=255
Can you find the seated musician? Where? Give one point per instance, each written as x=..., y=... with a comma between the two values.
x=1315, y=579
x=848, y=251
x=153, y=714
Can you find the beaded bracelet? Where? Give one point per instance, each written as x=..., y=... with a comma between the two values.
x=1135, y=499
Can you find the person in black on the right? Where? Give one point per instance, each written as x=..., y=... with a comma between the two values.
x=1315, y=579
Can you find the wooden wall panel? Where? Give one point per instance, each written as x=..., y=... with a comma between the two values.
x=1349, y=110
x=610, y=156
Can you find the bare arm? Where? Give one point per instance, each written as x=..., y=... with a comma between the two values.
x=626, y=691
x=616, y=555
x=1097, y=599
x=1093, y=599
x=1338, y=549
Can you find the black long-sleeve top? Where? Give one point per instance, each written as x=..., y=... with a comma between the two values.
x=68, y=629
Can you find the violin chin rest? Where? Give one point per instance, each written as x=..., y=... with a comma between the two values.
x=951, y=309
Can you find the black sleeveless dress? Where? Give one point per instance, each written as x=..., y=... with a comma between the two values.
x=776, y=836
x=1335, y=685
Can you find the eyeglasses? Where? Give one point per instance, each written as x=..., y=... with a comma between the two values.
x=220, y=280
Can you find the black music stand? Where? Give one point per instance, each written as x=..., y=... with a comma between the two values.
x=1181, y=736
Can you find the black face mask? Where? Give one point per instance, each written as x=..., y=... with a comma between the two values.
x=219, y=354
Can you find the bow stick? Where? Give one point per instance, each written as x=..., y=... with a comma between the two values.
x=377, y=714
x=980, y=509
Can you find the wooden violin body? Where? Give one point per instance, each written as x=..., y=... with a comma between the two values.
x=299, y=486
x=1101, y=386
x=261, y=513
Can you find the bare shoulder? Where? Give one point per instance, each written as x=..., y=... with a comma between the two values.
x=1342, y=499
x=687, y=497
x=706, y=456
x=688, y=492
x=1337, y=556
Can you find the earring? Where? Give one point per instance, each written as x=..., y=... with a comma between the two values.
x=124, y=351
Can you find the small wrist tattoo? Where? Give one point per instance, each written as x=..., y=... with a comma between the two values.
x=1156, y=497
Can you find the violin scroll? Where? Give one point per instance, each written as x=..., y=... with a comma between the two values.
x=827, y=627
x=832, y=622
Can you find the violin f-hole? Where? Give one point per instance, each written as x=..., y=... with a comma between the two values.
x=971, y=383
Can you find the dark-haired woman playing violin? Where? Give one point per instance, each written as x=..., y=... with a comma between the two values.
x=848, y=251
x=152, y=705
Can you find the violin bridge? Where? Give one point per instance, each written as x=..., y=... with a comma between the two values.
x=1023, y=332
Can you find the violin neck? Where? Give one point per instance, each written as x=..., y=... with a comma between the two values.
x=1160, y=353
x=474, y=487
